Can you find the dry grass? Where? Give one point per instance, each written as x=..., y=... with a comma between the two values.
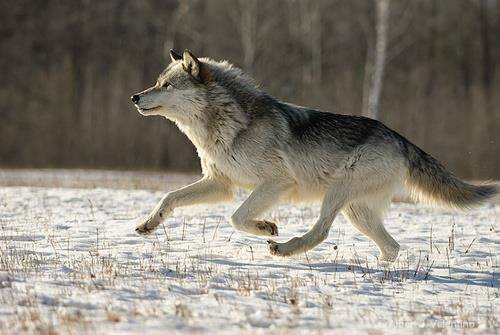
x=70, y=263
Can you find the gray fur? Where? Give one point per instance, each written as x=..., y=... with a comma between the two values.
x=246, y=138
x=430, y=181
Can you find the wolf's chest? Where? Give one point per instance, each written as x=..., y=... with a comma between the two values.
x=238, y=167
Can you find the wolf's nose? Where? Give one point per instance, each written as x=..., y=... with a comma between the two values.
x=135, y=98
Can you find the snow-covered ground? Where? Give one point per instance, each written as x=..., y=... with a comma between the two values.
x=70, y=262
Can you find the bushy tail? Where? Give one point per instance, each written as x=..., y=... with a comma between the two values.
x=428, y=180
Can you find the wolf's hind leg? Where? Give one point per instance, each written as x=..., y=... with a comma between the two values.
x=260, y=200
x=368, y=221
x=333, y=202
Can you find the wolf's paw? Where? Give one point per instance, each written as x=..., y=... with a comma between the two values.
x=289, y=248
x=279, y=249
x=152, y=221
x=267, y=228
x=390, y=254
x=145, y=228
x=273, y=247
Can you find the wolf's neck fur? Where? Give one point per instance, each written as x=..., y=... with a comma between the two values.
x=233, y=100
x=213, y=134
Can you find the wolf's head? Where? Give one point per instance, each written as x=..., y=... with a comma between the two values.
x=180, y=91
x=201, y=96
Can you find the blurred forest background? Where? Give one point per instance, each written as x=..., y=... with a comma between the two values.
x=69, y=67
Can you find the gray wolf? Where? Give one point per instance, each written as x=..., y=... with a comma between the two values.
x=246, y=138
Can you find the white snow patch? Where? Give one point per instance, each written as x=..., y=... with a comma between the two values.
x=70, y=261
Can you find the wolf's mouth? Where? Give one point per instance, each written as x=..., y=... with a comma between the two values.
x=148, y=109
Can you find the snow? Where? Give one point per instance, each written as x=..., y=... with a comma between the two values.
x=70, y=262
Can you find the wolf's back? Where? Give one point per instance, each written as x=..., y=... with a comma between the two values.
x=428, y=180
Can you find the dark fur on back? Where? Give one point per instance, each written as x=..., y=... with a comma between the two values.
x=346, y=131
x=305, y=124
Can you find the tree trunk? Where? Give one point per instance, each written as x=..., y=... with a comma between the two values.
x=316, y=48
x=248, y=27
x=376, y=71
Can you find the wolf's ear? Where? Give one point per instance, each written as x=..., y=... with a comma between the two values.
x=174, y=55
x=191, y=64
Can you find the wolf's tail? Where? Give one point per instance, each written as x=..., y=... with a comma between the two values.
x=428, y=180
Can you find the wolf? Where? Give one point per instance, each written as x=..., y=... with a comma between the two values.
x=245, y=138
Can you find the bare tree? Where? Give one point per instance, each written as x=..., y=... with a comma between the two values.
x=376, y=60
x=311, y=34
x=305, y=26
x=245, y=19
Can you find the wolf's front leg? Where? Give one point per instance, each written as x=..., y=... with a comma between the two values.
x=205, y=190
x=260, y=200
